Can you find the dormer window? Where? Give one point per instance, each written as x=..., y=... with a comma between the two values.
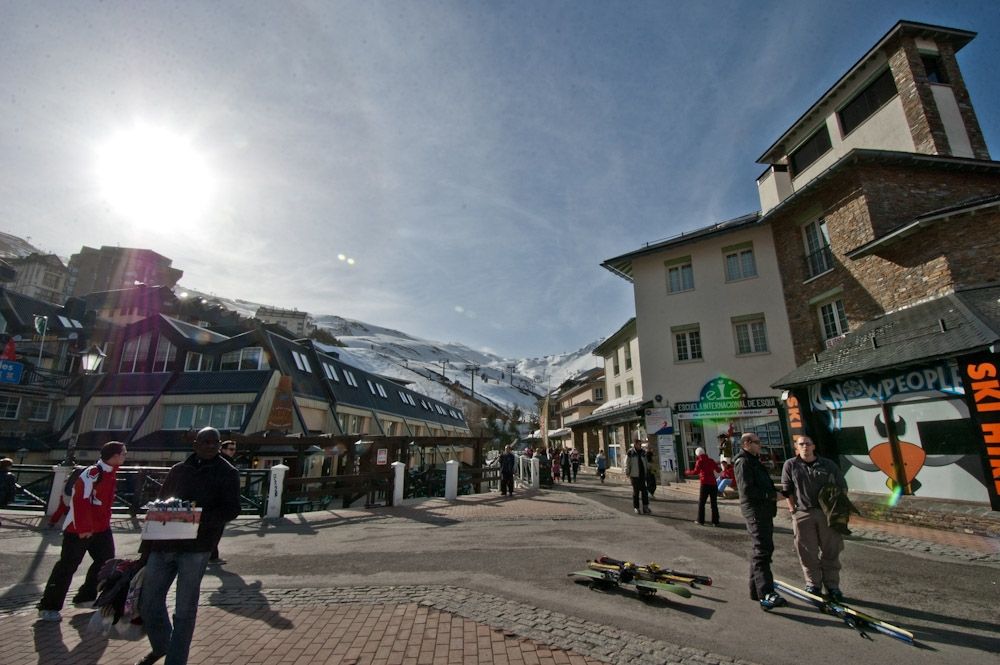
x=811, y=149
x=934, y=68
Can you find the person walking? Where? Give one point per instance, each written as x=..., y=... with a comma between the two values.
x=87, y=530
x=706, y=468
x=803, y=477
x=574, y=462
x=636, y=465
x=227, y=451
x=211, y=483
x=758, y=504
x=601, y=461
x=507, y=462
x=8, y=483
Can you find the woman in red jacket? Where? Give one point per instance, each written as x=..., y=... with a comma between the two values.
x=705, y=468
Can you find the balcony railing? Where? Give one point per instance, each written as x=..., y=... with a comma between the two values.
x=819, y=261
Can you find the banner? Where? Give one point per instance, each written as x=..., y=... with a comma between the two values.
x=981, y=377
x=280, y=417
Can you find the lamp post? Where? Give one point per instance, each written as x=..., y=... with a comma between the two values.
x=90, y=362
x=21, y=452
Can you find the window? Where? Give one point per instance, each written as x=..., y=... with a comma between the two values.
x=301, y=361
x=196, y=362
x=751, y=335
x=819, y=258
x=9, y=406
x=687, y=344
x=630, y=387
x=196, y=416
x=117, y=418
x=165, y=355
x=740, y=263
x=833, y=319
x=628, y=356
x=811, y=149
x=869, y=100
x=381, y=391
x=934, y=67
x=331, y=372
x=615, y=364
x=242, y=359
x=618, y=391
x=39, y=410
x=135, y=354
x=680, y=275
x=349, y=377
x=371, y=386
x=598, y=394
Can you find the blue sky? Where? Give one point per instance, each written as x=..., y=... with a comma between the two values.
x=476, y=160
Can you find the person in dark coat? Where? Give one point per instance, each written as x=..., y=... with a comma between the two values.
x=211, y=483
x=758, y=503
x=507, y=461
x=228, y=452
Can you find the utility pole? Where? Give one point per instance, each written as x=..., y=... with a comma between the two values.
x=511, y=368
x=472, y=368
x=444, y=365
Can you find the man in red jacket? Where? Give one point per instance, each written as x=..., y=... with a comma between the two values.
x=87, y=531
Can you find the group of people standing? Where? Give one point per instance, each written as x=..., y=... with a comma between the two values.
x=805, y=479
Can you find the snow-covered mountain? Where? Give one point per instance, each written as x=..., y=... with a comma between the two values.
x=441, y=369
x=14, y=247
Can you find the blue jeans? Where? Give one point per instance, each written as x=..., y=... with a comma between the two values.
x=161, y=570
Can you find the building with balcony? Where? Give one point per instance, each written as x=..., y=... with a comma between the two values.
x=113, y=268
x=41, y=276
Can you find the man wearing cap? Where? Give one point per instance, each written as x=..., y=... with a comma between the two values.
x=212, y=484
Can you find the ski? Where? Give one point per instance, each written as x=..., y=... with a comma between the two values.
x=623, y=577
x=859, y=621
x=667, y=573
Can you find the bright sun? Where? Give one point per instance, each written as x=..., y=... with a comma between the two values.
x=154, y=177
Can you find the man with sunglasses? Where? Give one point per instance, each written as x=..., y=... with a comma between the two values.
x=758, y=503
x=818, y=545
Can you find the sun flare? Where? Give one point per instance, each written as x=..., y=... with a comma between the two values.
x=154, y=177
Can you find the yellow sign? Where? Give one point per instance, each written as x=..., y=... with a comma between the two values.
x=281, y=409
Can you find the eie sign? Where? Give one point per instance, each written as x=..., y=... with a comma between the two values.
x=10, y=371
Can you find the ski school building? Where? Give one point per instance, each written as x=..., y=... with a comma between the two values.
x=862, y=301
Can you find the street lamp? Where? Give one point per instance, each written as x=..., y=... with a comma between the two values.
x=90, y=362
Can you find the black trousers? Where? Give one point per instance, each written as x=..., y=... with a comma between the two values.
x=639, y=487
x=708, y=492
x=506, y=483
x=100, y=547
x=760, y=526
x=567, y=472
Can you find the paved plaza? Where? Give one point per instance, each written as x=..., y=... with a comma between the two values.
x=484, y=580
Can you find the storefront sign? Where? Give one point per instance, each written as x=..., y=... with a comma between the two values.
x=659, y=422
x=382, y=456
x=942, y=377
x=280, y=417
x=981, y=376
x=10, y=371
x=723, y=398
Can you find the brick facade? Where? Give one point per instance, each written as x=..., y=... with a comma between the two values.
x=961, y=93
x=865, y=202
x=921, y=112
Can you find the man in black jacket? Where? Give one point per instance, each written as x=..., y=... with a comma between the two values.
x=213, y=485
x=758, y=503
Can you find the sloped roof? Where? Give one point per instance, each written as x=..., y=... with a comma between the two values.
x=952, y=325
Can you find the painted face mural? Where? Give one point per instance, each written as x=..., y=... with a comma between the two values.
x=907, y=432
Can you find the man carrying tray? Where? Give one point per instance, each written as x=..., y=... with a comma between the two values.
x=212, y=484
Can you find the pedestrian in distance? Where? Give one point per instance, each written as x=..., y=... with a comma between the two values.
x=574, y=462
x=554, y=464
x=818, y=545
x=758, y=504
x=706, y=468
x=87, y=530
x=637, y=467
x=651, y=481
x=227, y=451
x=507, y=462
x=566, y=465
x=601, y=461
x=8, y=483
x=208, y=482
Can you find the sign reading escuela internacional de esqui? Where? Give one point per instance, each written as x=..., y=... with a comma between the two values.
x=981, y=376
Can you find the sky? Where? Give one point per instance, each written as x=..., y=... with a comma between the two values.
x=455, y=170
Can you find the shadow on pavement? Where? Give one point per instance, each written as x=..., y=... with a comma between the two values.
x=940, y=634
x=237, y=597
x=51, y=648
x=661, y=601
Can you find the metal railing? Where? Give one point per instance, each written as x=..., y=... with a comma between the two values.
x=134, y=488
x=321, y=492
x=820, y=261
